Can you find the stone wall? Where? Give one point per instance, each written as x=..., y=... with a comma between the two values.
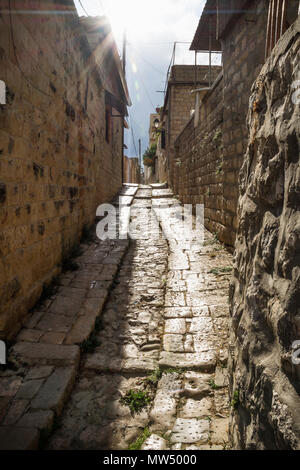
x=131, y=172
x=180, y=103
x=198, y=175
x=208, y=159
x=55, y=163
x=265, y=293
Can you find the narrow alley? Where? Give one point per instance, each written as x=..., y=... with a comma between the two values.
x=161, y=340
x=149, y=228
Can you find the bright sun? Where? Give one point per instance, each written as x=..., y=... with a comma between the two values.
x=140, y=18
x=137, y=17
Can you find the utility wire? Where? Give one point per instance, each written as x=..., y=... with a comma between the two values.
x=102, y=7
x=146, y=61
x=83, y=8
x=16, y=57
x=132, y=134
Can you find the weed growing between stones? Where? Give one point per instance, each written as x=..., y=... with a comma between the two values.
x=136, y=400
x=225, y=270
x=136, y=445
x=213, y=385
x=235, y=400
x=154, y=377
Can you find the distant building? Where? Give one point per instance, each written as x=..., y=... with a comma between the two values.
x=131, y=170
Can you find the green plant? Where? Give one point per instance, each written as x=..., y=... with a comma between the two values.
x=218, y=136
x=213, y=385
x=137, y=444
x=154, y=377
x=219, y=169
x=235, y=399
x=136, y=400
x=217, y=271
x=164, y=282
x=149, y=155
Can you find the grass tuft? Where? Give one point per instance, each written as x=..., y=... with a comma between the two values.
x=136, y=445
x=136, y=400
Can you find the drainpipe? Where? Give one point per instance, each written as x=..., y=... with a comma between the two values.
x=198, y=103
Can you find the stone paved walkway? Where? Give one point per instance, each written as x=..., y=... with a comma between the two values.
x=163, y=306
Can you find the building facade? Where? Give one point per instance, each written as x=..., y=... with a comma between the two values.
x=61, y=143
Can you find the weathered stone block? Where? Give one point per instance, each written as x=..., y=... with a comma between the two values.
x=55, y=391
x=51, y=354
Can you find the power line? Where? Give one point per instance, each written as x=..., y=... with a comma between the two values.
x=146, y=90
x=132, y=134
x=146, y=61
x=102, y=6
x=83, y=8
x=16, y=57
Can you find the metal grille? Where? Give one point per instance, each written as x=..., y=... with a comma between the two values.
x=279, y=20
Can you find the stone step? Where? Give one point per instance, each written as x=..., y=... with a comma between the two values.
x=202, y=362
x=51, y=354
x=13, y=438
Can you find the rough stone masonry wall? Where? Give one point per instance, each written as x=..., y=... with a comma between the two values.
x=55, y=165
x=265, y=292
x=212, y=155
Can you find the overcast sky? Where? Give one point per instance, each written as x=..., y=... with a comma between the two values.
x=152, y=28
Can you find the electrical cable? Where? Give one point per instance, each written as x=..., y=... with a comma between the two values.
x=83, y=8
x=132, y=134
x=16, y=57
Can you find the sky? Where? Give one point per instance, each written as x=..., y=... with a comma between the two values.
x=152, y=27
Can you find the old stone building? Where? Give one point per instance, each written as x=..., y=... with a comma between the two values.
x=61, y=143
x=178, y=107
x=264, y=367
x=209, y=151
x=132, y=170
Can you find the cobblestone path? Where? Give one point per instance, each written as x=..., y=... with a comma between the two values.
x=141, y=322
x=164, y=333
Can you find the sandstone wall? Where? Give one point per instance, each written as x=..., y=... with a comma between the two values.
x=265, y=292
x=131, y=172
x=198, y=175
x=208, y=159
x=55, y=164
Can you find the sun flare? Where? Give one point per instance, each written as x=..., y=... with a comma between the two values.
x=138, y=18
